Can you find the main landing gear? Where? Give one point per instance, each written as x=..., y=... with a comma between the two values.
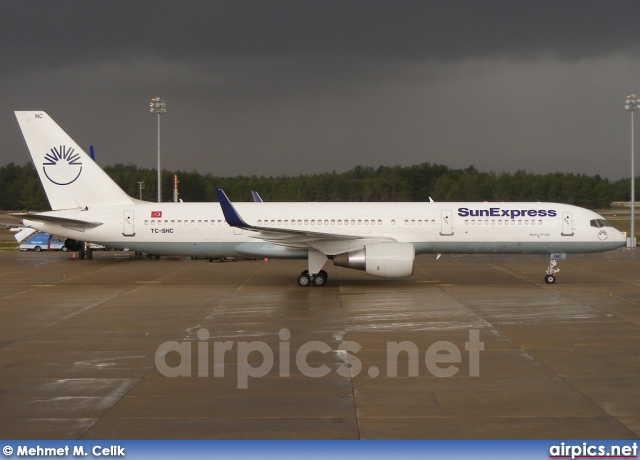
x=552, y=269
x=319, y=279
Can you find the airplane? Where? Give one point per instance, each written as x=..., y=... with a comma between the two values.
x=380, y=238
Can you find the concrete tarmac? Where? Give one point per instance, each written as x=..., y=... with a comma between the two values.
x=84, y=349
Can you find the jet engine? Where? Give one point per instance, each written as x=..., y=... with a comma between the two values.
x=387, y=260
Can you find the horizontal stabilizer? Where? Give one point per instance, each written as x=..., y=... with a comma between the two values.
x=65, y=222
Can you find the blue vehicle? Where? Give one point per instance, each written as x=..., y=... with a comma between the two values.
x=43, y=242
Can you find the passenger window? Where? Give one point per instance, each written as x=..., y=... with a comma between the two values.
x=379, y=221
x=146, y=222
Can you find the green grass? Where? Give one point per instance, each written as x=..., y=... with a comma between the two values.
x=8, y=246
x=624, y=224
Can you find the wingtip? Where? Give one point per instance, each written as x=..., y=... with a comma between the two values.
x=230, y=214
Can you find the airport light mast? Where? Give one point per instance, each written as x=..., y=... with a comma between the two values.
x=632, y=104
x=158, y=106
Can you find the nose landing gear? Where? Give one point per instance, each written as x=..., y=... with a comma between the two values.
x=552, y=269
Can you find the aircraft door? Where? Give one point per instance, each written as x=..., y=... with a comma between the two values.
x=567, y=224
x=446, y=228
x=128, y=228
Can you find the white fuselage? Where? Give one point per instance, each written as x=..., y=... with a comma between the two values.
x=200, y=229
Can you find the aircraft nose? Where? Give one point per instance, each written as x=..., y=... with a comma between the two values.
x=622, y=237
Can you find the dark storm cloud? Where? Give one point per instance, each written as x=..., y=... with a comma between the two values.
x=289, y=87
x=45, y=34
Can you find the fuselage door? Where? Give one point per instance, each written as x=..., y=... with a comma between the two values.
x=567, y=224
x=128, y=228
x=446, y=228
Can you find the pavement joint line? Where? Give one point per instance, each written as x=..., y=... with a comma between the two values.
x=141, y=379
x=532, y=352
x=91, y=267
x=623, y=299
x=353, y=390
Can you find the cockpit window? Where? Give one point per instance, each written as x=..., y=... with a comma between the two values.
x=600, y=223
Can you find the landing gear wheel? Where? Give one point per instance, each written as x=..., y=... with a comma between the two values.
x=304, y=279
x=552, y=269
x=319, y=279
x=323, y=273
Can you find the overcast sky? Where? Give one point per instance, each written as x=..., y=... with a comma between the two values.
x=300, y=87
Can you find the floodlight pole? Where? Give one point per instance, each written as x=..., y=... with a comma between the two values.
x=632, y=104
x=158, y=106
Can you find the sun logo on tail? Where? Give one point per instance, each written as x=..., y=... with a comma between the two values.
x=62, y=165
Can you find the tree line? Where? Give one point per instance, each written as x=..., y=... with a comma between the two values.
x=21, y=188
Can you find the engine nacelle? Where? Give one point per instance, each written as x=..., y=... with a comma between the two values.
x=387, y=260
x=73, y=245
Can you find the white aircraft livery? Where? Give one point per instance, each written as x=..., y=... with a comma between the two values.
x=380, y=238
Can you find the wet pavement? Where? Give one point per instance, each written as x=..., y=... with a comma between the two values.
x=469, y=347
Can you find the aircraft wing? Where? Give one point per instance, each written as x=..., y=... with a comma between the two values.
x=63, y=221
x=328, y=243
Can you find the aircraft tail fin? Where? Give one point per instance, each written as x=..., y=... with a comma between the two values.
x=71, y=179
